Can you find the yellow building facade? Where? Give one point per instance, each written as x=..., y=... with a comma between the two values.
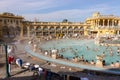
x=10, y=25
x=55, y=28
x=104, y=25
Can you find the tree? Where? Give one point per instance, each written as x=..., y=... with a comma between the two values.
x=65, y=20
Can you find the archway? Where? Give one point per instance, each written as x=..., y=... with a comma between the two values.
x=17, y=31
x=45, y=31
x=58, y=29
x=25, y=31
x=64, y=30
x=5, y=31
x=38, y=31
x=31, y=30
x=76, y=30
x=70, y=31
x=81, y=30
x=52, y=31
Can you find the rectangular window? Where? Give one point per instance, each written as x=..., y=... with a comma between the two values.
x=5, y=22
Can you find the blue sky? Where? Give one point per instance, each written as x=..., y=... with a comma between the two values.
x=57, y=10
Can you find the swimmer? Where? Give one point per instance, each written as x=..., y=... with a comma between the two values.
x=117, y=64
x=107, y=46
x=118, y=54
x=92, y=62
x=46, y=52
x=76, y=50
x=62, y=50
x=118, y=51
x=87, y=48
x=103, y=54
x=111, y=52
x=112, y=64
x=95, y=49
x=81, y=58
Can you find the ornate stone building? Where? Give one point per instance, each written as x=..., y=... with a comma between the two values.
x=56, y=28
x=104, y=25
x=12, y=26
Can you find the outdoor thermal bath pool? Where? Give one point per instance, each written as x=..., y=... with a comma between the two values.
x=73, y=48
x=87, y=48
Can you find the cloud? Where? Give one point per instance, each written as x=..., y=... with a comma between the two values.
x=54, y=10
x=26, y=6
x=71, y=14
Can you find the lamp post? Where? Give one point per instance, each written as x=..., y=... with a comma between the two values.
x=6, y=58
x=7, y=67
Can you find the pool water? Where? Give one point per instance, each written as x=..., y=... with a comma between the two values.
x=87, y=48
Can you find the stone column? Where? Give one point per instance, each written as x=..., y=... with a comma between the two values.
x=21, y=31
x=118, y=23
x=98, y=22
x=85, y=30
x=28, y=31
x=48, y=30
x=115, y=23
x=61, y=29
x=35, y=30
x=73, y=28
x=55, y=29
x=67, y=30
x=118, y=32
x=42, y=30
x=94, y=22
x=79, y=29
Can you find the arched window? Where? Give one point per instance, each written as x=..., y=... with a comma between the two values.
x=70, y=28
x=45, y=28
x=25, y=31
x=17, y=30
x=58, y=29
x=64, y=29
x=5, y=31
x=52, y=29
x=11, y=31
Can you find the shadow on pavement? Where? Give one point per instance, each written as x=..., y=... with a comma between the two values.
x=19, y=78
x=20, y=72
x=2, y=65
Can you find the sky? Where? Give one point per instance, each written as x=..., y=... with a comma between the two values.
x=57, y=10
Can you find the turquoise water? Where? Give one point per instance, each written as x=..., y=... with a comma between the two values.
x=87, y=48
